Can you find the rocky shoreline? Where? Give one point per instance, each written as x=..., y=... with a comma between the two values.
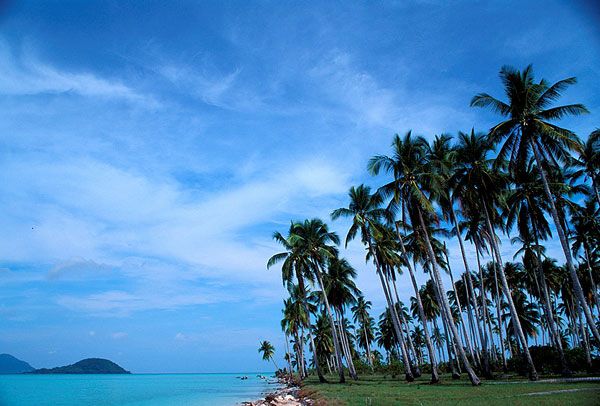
x=288, y=395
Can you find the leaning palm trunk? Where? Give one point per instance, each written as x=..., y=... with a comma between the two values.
x=476, y=343
x=287, y=352
x=411, y=347
x=498, y=305
x=414, y=365
x=316, y=357
x=304, y=367
x=586, y=342
x=394, y=316
x=312, y=343
x=396, y=323
x=450, y=347
x=444, y=303
x=482, y=336
x=336, y=343
x=460, y=312
x=346, y=345
x=328, y=365
x=368, y=345
x=565, y=246
x=511, y=305
x=434, y=369
x=592, y=282
x=554, y=335
x=299, y=359
x=343, y=345
x=484, y=308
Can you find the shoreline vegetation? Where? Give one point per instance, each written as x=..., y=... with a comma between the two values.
x=505, y=199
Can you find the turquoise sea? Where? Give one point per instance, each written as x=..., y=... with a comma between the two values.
x=131, y=390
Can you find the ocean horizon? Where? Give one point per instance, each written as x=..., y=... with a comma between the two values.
x=168, y=389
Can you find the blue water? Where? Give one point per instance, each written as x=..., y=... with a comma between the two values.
x=130, y=390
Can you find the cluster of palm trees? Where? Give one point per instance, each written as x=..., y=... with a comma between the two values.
x=526, y=180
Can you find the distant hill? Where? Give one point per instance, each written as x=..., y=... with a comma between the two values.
x=86, y=366
x=12, y=365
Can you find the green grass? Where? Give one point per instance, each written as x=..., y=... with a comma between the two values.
x=381, y=390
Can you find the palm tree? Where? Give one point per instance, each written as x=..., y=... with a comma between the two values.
x=323, y=340
x=586, y=238
x=528, y=130
x=268, y=351
x=442, y=158
x=589, y=161
x=525, y=207
x=411, y=177
x=527, y=314
x=385, y=247
x=366, y=212
x=294, y=320
x=296, y=264
x=341, y=292
x=385, y=333
x=361, y=316
x=317, y=244
x=479, y=185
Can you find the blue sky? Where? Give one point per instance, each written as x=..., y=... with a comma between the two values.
x=148, y=150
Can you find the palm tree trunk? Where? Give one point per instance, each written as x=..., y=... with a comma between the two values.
x=486, y=363
x=274, y=363
x=592, y=283
x=444, y=305
x=471, y=327
x=395, y=321
x=484, y=308
x=411, y=347
x=498, y=308
x=460, y=312
x=343, y=345
x=452, y=359
x=434, y=368
x=414, y=365
x=346, y=344
x=586, y=341
x=548, y=311
x=287, y=351
x=336, y=343
x=315, y=356
x=367, y=344
x=304, y=367
x=313, y=348
x=513, y=311
x=299, y=358
x=565, y=246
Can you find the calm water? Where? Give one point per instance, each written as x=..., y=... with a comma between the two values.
x=130, y=390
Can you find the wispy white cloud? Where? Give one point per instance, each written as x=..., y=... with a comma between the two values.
x=24, y=74
x=361, y=97
x=356, y=90
x=78, y=268
x=94, y=220
x=224, y=90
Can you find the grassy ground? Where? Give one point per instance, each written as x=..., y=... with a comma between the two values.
x=380, y=390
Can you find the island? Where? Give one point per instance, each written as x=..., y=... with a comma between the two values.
x=13, y=365
x=86, y=366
